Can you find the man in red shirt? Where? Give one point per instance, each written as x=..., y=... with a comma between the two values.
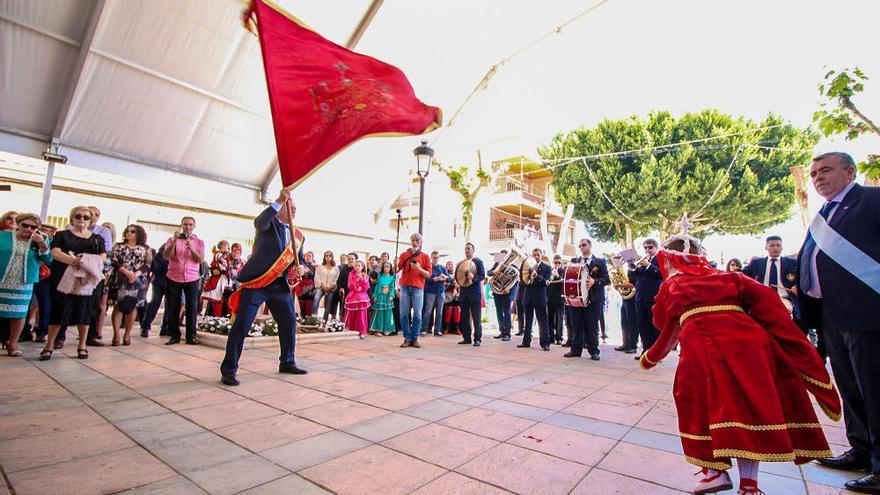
x=416, y=267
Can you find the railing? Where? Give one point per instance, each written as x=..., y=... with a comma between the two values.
x=405, y=203
x=530, y=191
x=501, y=234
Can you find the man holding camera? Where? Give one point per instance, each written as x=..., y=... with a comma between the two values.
x=185, y=253
x=416, y=267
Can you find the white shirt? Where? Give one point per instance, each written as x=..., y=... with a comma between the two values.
x=782, y=292
x=816, y=291
x=277, y=207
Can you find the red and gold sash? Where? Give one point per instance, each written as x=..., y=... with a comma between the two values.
x=287, y=257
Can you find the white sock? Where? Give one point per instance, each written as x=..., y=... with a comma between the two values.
x=748, y=469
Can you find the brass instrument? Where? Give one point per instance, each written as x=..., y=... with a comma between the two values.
x=617, y=273
x=462, y=269
x=527, y=271
x=506, y=274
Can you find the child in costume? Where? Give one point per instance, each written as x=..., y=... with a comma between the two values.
x=743, y=373
x=357, y=302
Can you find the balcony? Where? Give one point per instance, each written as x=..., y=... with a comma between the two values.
x=526, y=198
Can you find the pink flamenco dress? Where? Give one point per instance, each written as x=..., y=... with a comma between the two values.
x=357, y=302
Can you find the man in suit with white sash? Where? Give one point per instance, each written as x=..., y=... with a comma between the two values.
x=839, y=292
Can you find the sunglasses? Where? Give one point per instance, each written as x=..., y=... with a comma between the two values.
x=82, y=217
x=28, y=226
x=131, y=231
x=583, y=245
x=650, y=247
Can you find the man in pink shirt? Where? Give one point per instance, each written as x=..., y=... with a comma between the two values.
x=185, y=253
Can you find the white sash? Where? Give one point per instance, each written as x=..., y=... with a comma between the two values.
x=845, y=254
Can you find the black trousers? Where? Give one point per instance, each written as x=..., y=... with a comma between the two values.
x=855, y=363
x=397, y=326
x=538, y=311
x=556, y=317
x=471, y=314
x=629, y=324
x=647, y=331
x=153, y=306
x=502, y=312
x=584, y=329
x=190, y=291
x=95, y=308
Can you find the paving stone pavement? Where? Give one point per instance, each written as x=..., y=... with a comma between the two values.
x=369, y=418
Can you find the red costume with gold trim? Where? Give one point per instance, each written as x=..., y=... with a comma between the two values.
x=744, y=369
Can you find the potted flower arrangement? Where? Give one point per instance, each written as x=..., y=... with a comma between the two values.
x=335, y=325
x=307, y=324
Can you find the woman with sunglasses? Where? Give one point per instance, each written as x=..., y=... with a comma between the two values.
x=131, y=261
x=70, y=309
x=21, y=252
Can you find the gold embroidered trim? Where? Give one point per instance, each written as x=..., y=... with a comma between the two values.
x=708, y=309
x=780, y=457
x=828, y=412
x=722, y=466
x=826, y=386
x=694, y=437
x=736, y=424
x=646, y=358
x=755, y=456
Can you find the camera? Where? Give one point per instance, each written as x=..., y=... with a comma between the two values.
x=183, y=235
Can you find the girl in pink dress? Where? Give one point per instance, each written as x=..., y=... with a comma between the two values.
x=357, y=301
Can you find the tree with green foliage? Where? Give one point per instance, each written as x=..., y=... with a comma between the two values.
x=731, y=184
x=839, y=115
x=468, y=182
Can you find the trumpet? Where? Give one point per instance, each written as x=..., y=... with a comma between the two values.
x=643, y=261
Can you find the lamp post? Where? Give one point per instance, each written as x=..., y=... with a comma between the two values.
x=424, y=154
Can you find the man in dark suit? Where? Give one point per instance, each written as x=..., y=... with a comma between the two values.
x=647, y=281
x=535, y=302
x=503, y=301
x=555, y=301
x=470, y=298
x=628, y=321
x=269, y=256
x=585, y=321
x=839, y=292
x=776, y=271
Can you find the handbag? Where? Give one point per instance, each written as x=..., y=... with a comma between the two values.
x=45, y=271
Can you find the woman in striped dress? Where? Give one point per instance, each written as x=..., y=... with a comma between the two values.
x=21, y=252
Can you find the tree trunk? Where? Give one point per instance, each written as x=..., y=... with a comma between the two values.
x=628, y=242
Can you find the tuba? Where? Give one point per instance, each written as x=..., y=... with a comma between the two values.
x=506, y=273
x=462, y=269
x=618, y=276
x=526, y=271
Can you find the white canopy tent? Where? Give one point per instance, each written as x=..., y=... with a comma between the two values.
x=147, y=88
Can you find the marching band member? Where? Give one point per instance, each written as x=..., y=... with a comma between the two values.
x=535, y=302
x=585, y=321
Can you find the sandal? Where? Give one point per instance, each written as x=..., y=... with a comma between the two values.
x=126, y=341
x=114, y=343
x=82, y=353
x=11, y=353
x=46, y=355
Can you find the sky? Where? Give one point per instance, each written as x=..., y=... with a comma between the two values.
x=748, y=58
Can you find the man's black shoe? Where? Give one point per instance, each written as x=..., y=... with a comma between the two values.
x=464, y=342
x=630, y=351
x=291, y=369
x=145, y=333
x=865, y=484
x=498, y=336
x=847, y=461
x=477, y=343
x=559, y=342
x=173, y=340
x=571, y=354
x=638, y=357
x=524, y=346
x=192, y=341
x=545, y=347
x=519, y=333
x=505, y=339
x=567, y=344
x=230, y=380
x=94, y=343
x=620, y=348
x=594, y=357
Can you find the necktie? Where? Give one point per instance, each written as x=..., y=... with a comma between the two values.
x=809, y=246
x=773, y=279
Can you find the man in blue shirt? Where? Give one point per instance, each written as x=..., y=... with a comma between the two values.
x=435, y=288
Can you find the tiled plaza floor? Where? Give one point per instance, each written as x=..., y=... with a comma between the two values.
x=369, y=418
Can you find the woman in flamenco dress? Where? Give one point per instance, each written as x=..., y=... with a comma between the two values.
x=743, y=372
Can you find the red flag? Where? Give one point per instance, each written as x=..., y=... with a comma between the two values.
x=325, y=97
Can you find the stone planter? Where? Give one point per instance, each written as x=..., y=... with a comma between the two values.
x=219, y=341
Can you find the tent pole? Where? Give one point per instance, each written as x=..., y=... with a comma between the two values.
x=47, y=191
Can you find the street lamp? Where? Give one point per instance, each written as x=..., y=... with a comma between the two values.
x=424, y=154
